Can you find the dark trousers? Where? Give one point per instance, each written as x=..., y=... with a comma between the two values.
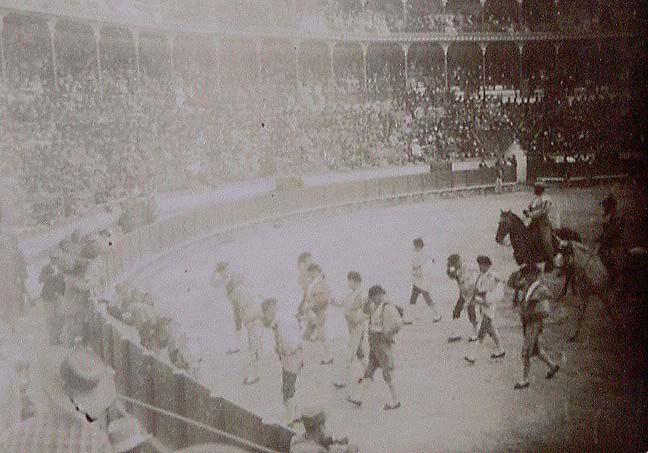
x=472, y=314
x=416, y=291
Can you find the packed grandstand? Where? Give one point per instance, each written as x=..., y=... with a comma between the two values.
x=160, y=100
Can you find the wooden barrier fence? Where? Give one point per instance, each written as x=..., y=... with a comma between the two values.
x=142, y=377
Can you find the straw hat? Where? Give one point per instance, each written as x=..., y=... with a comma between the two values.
x=76, y=379
x=126, y=433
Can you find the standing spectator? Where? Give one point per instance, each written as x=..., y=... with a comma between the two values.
x=421, y=281
x=384, y=324
x=288, y=347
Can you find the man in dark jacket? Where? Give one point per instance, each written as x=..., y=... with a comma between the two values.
x=611, y=237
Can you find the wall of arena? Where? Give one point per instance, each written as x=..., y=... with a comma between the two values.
x=141, y=376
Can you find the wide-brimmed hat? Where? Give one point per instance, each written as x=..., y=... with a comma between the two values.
x=126, y=433
x=76, y=379
x=484, y=260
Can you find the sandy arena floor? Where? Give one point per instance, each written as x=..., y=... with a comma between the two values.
x=447, y=404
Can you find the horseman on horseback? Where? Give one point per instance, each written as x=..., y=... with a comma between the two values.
x=544, y=217
x=611, y=238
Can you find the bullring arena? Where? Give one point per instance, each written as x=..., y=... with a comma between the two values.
x=447, y=405
x=165, y=165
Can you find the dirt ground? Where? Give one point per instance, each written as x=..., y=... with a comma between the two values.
x=597, y=401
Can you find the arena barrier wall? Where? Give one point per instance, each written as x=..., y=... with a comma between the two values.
x=147, y=379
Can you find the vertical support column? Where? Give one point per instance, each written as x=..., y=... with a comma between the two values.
x=216, y=41
x=257, y=50
x=404, y=2
x=3, y=64
x=482, y=3
x=520, y=47
x=556, y=71
x=556, y=13
x=51, y=26
x=445, y=47
x=365, y=47
x=171, y=46
x=136, y=41
x=331, y=49
x=520, y=15
x=96, y=28
x=483, y=46
x=296, y=46
x=406, y=47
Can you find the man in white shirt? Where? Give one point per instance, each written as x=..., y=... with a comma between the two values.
x=384, y=324
x=246, y=306
x=288, y=346
x=489, y=290
x=357, y=326
x=421, y=281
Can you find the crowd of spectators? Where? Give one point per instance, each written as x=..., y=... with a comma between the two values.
x=84, y=143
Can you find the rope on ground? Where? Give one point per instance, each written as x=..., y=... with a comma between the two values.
x=189, y=421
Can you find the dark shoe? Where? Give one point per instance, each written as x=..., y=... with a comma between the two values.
x=326, y=362
x=521, y=385
x=552, y=372
x=472, y=339
x=389, y=407
x=498, y=356
x=454, y=339
x=470, y=360
x=354, y=402
x=232, y=351
x=435, y=320
x=338, y=386
x=407, y=323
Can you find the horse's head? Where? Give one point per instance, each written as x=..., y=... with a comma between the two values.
x=503, y=226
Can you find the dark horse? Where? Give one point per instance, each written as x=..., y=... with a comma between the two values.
x=526, y=245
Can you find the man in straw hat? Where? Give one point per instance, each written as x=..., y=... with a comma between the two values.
x=75, y=392
x=489, y=290
x=533, y=310
x=316, y=438
x=384, y=323
x=288, y=347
